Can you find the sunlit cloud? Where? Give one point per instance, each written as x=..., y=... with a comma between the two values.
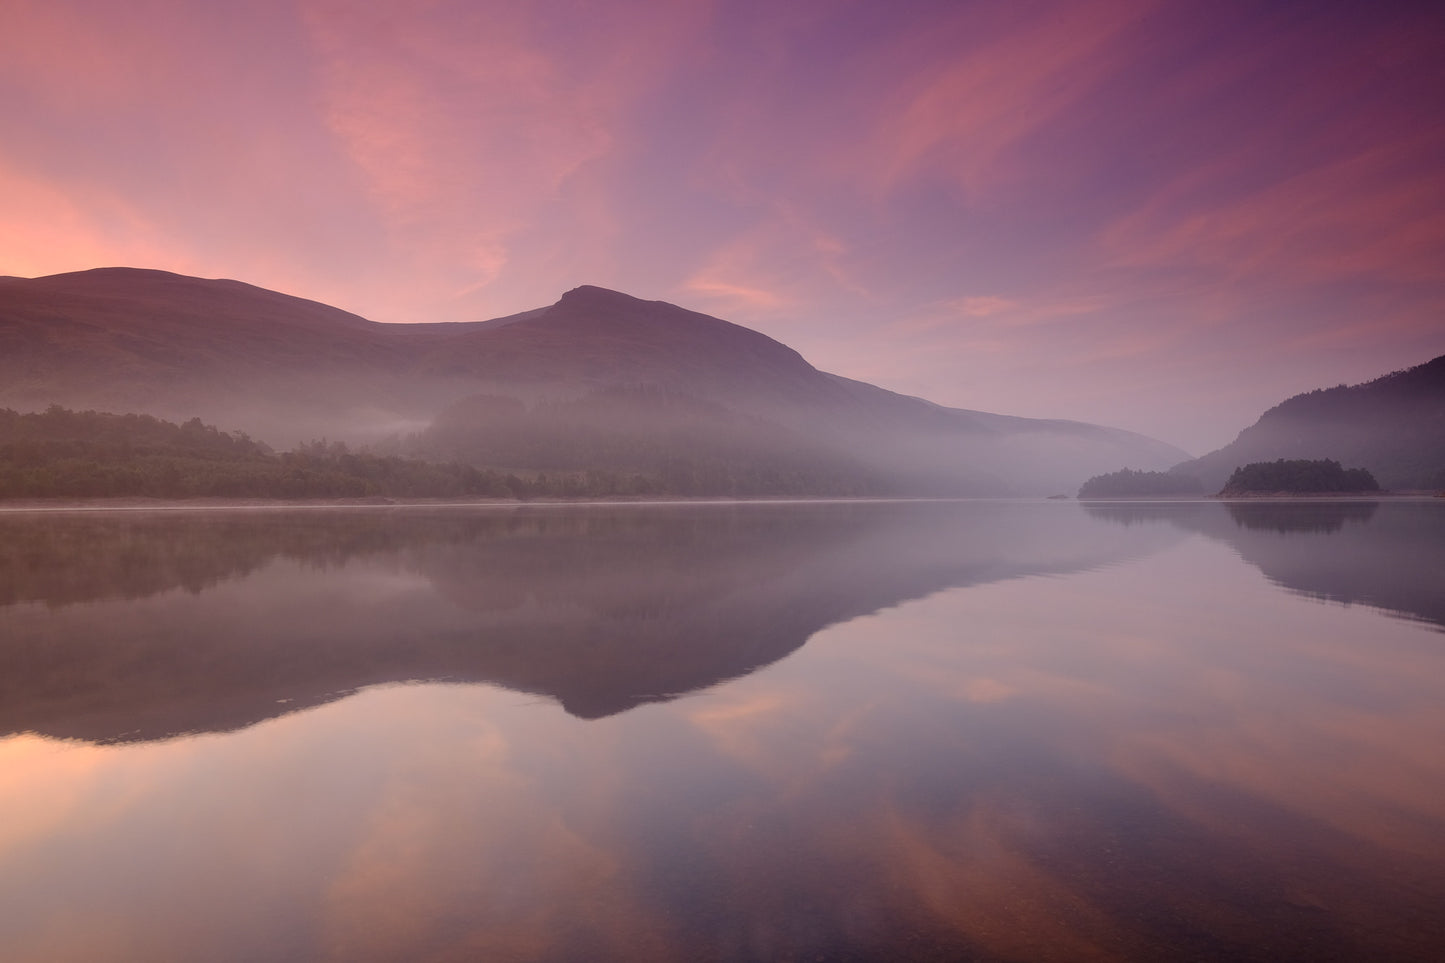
x=45, y=229
x=78, y=57
x=463, y=129
x=774, y=269
x=1376, y=215
x=982, y=307
x=741, y=275
x=967, y=117
x=734, y=295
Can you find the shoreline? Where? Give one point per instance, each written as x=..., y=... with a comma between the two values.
x=142, y=504
x=1272, y=496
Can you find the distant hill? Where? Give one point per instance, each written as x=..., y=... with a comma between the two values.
x=1394, y=427
x=288, y=370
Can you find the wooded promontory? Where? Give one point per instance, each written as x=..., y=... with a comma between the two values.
x=1298, y=477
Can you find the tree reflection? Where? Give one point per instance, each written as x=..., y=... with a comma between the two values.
x=1387, y=554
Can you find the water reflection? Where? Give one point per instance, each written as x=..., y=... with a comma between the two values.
x=1164, y=757
x=1390, y=555
x=146, y=626
x=1320, y=518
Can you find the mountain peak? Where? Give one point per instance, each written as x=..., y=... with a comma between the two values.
x=590, y=297
x=591, y=292
x=110, y=277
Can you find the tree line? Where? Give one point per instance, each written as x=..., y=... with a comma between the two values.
x=1128, y=483
x=1298, y=476
x=1302, y=476
x=60, y=453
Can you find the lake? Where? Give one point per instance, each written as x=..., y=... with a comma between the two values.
x=979, y=730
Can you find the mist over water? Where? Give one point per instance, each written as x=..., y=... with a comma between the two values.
x=970, y=730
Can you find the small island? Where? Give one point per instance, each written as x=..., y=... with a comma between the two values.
x=1298, y=477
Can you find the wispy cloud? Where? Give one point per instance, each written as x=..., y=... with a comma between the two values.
x=783, y=261
x=981, y=306
x=966, y=117
x=46, y=229
x=1378, y=214
x=734, y=295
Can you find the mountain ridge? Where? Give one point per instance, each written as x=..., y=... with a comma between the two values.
x=287, y=369
x=1393, y=426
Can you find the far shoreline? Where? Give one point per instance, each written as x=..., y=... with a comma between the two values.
x=142, y=504
x=1271, y=496
x=209, y=504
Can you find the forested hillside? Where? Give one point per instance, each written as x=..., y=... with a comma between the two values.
x=1393, y=426
x=89, y=454
x=59, y=453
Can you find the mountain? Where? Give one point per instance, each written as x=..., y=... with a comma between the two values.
x=285, y=370
x=1394, y=427
x=123, y=339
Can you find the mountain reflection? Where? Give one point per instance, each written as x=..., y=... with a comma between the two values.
x=1389, y=554
x=139, y=626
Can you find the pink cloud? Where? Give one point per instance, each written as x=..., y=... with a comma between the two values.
x=79, y=56
x=45, y=229
x=782, y=262
x=492, y=129
x=982, y=306
x=1378, y=213
x=965, y=117
x=447, y=111
x=734, y=295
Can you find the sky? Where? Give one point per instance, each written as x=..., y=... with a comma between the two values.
x=1162, y=215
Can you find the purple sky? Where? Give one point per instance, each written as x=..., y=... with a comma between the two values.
x=1165, y=216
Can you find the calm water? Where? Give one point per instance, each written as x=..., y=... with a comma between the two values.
x=970, y=731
